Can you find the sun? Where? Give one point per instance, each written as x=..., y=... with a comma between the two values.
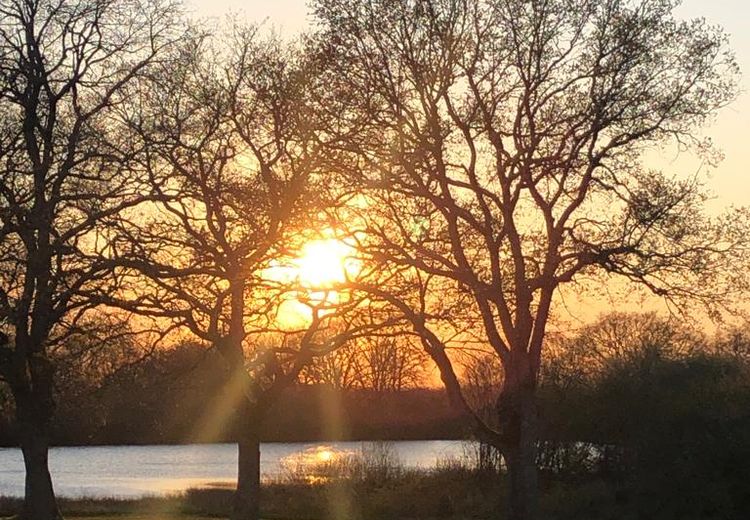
x=315, y=277
x=323, y=264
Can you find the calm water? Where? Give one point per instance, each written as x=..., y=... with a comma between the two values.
x=133, y=471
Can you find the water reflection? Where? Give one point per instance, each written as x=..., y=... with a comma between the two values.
x=136, y=471
x=317, y=464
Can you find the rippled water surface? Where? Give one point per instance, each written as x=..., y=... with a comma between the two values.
x=133, y=471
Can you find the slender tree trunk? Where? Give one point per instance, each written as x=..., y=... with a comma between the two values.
x=247, y=496
x=517, y=412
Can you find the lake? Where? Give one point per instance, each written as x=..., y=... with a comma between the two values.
x=135, y=471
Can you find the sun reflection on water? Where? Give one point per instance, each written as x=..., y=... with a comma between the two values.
x=317, y=465
x=325, y=455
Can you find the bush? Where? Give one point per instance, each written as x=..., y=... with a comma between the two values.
x=675, y=432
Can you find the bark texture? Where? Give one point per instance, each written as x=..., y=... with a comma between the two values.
x=34, y=410
x=39, y=502
x=247, y=498
x=518, y=418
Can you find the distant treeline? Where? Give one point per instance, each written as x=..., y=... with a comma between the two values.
x=634, y=381
x=182, y=395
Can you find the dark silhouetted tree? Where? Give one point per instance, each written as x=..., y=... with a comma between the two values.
x=65, y=66
x=499, y=146
x=230, y=145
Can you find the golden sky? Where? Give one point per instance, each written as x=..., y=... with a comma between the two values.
x=730, y=132
x=730, y=181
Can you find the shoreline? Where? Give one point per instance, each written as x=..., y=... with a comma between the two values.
x=227, y=443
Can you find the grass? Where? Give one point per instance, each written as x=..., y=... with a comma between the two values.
x=140, y=516
x=131, y=509
x=132, y=516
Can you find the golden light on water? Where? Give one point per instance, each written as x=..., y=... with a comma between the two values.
x=325, y=455
x=317, y=464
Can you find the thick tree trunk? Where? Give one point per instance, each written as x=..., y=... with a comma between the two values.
x=34, y=402
x=247, y=496
x=39, y=501
x=517, y=412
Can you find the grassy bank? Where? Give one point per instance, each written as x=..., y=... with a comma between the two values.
x=371, y=484
x=410, y=495
x=446, y=494
x=133, y=509
x=374, y=485
x=351, y=490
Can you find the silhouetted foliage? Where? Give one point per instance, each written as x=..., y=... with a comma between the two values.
x=666, y=428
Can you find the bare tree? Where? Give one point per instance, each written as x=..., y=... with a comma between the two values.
x=231, y=148
x=391, y=363
x=64, y=67
x=734, y=341
x=623, y=337
x=339, y=369
x=379, y=362
x=499, y=145
x=482, y=381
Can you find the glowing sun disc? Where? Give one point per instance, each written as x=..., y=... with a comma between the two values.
x=323, y=263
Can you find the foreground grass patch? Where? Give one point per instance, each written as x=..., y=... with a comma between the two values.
x=140, y=516
x=439, y=494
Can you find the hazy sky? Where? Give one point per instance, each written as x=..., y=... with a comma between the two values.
x=731, y=131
